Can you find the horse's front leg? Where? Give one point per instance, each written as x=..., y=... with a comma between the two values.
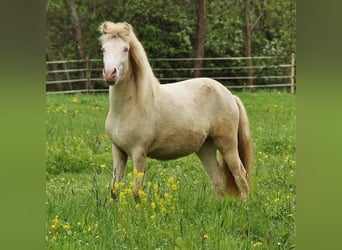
x=119, y=162
x=139, y=163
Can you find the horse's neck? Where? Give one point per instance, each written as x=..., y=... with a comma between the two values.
x=143, y=83
x=140, y=86
x=135, y=94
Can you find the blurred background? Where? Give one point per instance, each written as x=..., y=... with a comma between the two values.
x=238, y=42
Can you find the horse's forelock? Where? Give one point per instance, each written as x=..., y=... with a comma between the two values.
x=110, y=30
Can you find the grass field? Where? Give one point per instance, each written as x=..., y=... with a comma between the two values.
x=178, y=209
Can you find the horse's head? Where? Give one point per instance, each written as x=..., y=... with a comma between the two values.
x=115, y=48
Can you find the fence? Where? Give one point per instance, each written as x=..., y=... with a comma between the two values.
x=70, y=76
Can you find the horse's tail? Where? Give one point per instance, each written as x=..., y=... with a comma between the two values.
x=245, y=148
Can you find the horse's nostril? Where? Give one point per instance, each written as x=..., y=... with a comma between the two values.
x=114, y=71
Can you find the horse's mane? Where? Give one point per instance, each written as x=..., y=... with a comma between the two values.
x=141, y=70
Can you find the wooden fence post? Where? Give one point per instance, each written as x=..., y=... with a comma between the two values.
x=87, y=74
x=292, y=73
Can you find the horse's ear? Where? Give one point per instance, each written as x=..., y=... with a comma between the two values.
x=128, y=27
x=103, y=28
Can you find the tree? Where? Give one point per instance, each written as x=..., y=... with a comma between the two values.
x=201, y=10
x=75, y=21
x=248, y=41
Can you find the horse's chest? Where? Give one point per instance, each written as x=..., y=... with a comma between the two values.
x=124, y=134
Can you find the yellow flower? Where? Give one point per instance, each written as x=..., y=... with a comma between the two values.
x=117, y=186
x=102, y=166
x=153, y=217
x=141, y=193
x=153, y=205
x=139, y=175
x=66, y=226
x=276, y=199
x=149, y=184
x=258, y=243
x=204, y=236
x=174, y=187
x=55, y=220
x=171, y=180
x=74, y=100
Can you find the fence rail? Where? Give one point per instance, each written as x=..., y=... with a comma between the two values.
x=71, y=76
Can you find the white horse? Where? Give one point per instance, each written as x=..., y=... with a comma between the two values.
x=147, y=119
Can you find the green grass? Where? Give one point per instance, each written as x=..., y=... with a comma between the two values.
x=179, y=209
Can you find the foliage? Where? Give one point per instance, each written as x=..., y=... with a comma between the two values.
x=178, y=209
x=167, y=28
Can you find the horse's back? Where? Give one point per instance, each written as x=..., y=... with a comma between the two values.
x=197, y=95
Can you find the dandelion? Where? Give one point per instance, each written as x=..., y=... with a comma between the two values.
x=153, y=205
x=139, y=175
x=66, y=226
x=276, y=199
x=142, y=195
x=153, y=217
x=174, y=187
x=56, y=219
x=149, y=184
x=74, y=100
x=89, y=229
x=171, y=180
x=117, y=186
x=102, y=166
x=290, y=215
x=205, y=236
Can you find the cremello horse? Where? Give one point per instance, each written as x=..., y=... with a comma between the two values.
x=169, y=121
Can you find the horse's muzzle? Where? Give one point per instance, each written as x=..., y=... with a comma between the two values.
x=110, y=75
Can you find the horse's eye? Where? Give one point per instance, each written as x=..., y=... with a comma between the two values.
x=125, y=49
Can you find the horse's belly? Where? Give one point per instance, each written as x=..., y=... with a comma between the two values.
x=168, y=154
x=176, y=145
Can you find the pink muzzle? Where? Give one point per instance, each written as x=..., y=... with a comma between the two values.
x=110, y=75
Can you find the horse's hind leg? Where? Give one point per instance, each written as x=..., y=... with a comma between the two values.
x=229, y=151
x=207, y=156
